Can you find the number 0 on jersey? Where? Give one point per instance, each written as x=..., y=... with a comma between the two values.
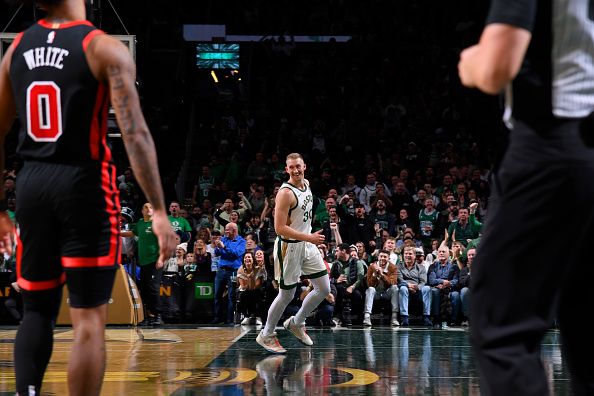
x=44, y=111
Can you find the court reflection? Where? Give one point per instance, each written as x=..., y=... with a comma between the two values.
x=369, y=361
x=217, y=361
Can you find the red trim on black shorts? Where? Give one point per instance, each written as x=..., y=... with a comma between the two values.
x=112, y=204
x=33, y=285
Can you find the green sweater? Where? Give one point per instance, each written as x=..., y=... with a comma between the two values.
x=470, y=231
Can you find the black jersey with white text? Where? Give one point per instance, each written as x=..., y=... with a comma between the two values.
x=61, y=105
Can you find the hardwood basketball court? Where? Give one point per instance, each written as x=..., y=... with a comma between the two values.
x=227, y=361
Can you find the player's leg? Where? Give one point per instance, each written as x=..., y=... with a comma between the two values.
x=287, y=278
x=39, y=275
x=314, y=269
x=267, y=336
x=287, y=275
x=280, y=303
x=90, y=256
x=321, y=289
x=90, y=291
x=34, y=340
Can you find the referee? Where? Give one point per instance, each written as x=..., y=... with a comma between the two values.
x=526, y=272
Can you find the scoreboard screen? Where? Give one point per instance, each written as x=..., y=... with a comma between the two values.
x=217, y=56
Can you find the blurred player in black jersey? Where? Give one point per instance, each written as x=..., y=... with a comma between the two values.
x=534, y=260
x=58, y=76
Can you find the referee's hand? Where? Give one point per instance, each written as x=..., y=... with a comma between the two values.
x=165, y=235
x=6, y=233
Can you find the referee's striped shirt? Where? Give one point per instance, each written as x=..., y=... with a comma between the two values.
x=573, y=58
x=557, y=75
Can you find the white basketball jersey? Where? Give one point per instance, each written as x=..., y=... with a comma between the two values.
x=300, y=214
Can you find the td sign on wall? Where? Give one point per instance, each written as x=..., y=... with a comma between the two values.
x=204, y=291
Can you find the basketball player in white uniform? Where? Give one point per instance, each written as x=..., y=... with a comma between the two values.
x=295, y=254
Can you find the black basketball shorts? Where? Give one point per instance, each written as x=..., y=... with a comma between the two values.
x=67, y=220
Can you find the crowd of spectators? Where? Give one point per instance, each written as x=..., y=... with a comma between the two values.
x=383, y=243
x=397, y=151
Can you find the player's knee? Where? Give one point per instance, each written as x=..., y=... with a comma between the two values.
x=89, y=322
x=324, y=288
x=321, y=285
x=286, y=295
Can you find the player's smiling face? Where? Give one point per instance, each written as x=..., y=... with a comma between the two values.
x=295, y=168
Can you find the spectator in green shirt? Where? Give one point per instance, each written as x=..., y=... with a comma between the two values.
x=466, y=227
x=179, y=223
x=150, y=269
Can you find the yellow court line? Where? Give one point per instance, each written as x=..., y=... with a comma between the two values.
x=360, y=377
x=223, y=375
x=243, y=375
x=110, y=376
x=181, y=376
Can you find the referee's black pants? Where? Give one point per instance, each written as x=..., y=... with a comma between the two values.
x=534, y=261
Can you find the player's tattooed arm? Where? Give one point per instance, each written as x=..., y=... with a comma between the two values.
x=137, y=137
x=113, y=65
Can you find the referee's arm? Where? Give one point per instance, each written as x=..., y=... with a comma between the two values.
x=495, y=61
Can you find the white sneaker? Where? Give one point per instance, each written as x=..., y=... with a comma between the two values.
x=246, y=321
x=395, y=321
x=367, y=320
x=270, y=343
x=298, y=331
x=258, y=321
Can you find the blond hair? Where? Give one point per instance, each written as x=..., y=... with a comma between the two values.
x=294, y=156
